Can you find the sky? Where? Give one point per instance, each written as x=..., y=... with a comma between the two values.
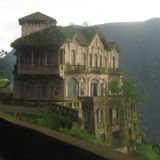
x=68, y=12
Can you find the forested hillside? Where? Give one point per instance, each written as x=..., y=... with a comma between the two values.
x=140, y=58
x=7, y=65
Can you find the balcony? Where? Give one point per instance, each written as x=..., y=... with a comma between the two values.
x=77, y=69
x=97, y=70
x=115, y=71
x=38, y=70
x=73, y=69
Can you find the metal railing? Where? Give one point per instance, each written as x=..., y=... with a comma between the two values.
x=84, y=69
x=38, y=69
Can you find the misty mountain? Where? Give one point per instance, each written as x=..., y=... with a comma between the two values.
x=140, y=59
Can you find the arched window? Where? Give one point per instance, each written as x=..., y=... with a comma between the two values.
x=102, y=89
x=62, y=56
x=73, y=57
x=90, y=60
x=105, y=62
x=94, y=87
x=82, y=87
x=100, y=60
x=96, y=60
x=114, y=62
x=73, y=89
x=83, y=59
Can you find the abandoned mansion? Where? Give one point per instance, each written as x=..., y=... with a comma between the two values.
x=72, y=66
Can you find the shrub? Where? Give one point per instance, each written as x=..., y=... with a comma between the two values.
x=83, y=135
x=148, y=151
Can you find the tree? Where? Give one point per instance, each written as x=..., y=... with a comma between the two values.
x=127, y=89
x=114, y=87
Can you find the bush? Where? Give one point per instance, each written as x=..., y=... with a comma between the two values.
x=83, y=135
x=148, y=151
x=60, y=123
x=52, y=121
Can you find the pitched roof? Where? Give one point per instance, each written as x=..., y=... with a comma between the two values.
x=37, y=17
x=58, y=35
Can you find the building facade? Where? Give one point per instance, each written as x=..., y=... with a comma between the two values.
x=73, y=64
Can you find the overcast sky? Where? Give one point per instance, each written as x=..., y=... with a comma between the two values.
x=73, y=11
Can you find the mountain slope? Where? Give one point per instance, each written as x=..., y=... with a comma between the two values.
x=140, y=58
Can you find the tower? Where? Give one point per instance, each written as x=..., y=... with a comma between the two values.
x=35, y=22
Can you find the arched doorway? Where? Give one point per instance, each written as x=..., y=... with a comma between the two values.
x=94, y=87
x=73, y=88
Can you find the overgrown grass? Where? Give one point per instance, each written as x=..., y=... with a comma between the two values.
x=60, y=123
x=52, y=121
x=148, y=151
x=81, y=134
x=2, y=83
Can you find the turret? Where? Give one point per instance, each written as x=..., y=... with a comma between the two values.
x=35, y=22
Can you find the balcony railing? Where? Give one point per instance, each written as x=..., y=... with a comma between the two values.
x=68, y=69
x=73, y=69
x=115, y=71
x=97, y=70
x=38, y=69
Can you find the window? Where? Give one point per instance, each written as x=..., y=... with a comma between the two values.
x=100, y=60
x=90, y=60
x=102, y=89
x=105, y=62
x=114, y=62
x=22, y=62
x=110, y=115
x=113, y=112
x=41, y=59
x=96, y=60
x=83, y=59
x=82, y=88
x=35, y=57
x=94, y=88
x=73, y=57
x=62, y=56
x=130, y=131
x=73, y=88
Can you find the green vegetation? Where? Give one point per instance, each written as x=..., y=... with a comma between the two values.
x=52, y=121
x=81, y=134
x=58, y=34
x=127, y=89
x=148, y=151
x=59, y=123
x=114, y=86
x=3, y=82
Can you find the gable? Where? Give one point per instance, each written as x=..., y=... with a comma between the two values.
x=96, y=42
